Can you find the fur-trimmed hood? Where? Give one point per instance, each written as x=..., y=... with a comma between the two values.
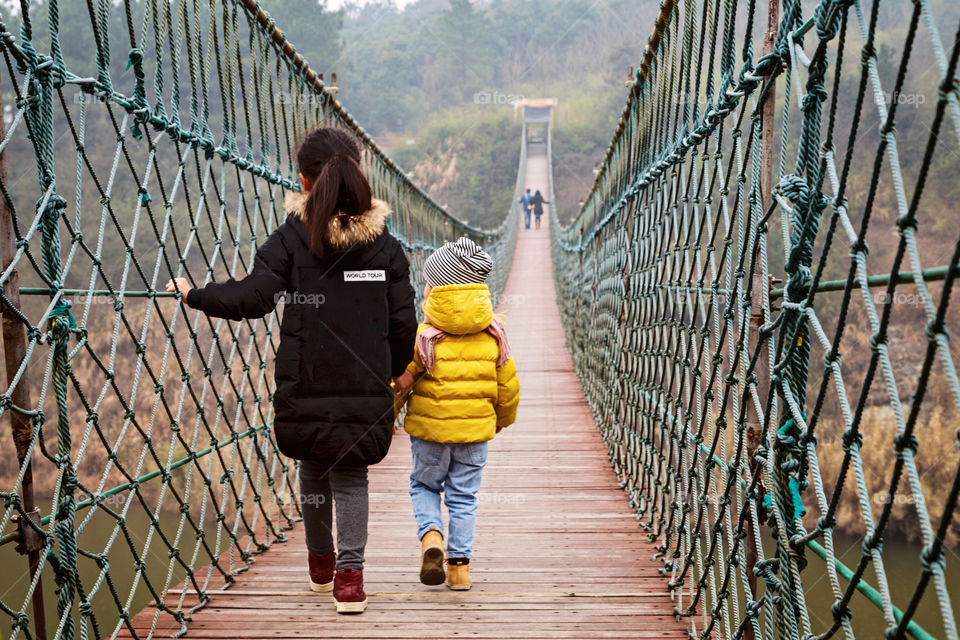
x=361, y=229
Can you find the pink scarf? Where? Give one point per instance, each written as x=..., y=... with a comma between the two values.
x=429, y=337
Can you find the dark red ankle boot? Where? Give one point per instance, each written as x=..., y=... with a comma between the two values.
x=348, y=591
x=322, y=569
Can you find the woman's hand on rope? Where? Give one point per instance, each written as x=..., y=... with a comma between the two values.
x=179, y=284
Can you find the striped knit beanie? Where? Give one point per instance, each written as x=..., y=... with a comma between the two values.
x=460, y=262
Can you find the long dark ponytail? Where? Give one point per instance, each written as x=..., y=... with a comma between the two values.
x=331, y=159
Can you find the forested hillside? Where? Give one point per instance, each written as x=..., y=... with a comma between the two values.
x=437, y=82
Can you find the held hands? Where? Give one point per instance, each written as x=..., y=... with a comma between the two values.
x=179, y=283
x=404, y=383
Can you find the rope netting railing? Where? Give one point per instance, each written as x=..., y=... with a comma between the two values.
x=145, y=140
x=793, y=452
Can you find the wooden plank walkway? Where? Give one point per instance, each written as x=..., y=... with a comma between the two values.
x=558, y=552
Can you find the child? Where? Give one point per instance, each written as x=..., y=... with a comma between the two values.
x=466, y=392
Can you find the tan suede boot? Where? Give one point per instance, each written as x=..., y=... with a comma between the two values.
x=431, y=558
x=458, y=575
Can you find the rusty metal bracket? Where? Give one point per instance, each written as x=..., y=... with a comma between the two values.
x=29, y=534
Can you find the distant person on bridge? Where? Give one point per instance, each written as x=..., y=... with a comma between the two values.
x=526, y=199
x=538, y=203
x=348, y=325
x=466, y=391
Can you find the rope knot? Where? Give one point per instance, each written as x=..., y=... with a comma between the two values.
x=840, y=611
x=935, y=328
x=798, y=286
x=753, y=608
x=906, y=442
x=61, y=310
x=12, y=501
x=46, y=69
x=28, y=100
x=814, y=98
x=932, y=559
x=832, y=357
x=948, y=87
x=70, y=481
x=52, y=210
x=135, y=60
x=21, y=621
x=827, y=18
x=871, y=542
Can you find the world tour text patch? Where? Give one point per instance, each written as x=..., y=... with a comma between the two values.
x=365, y=275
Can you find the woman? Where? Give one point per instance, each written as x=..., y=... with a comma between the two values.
x=348, y=327
x=538, y=203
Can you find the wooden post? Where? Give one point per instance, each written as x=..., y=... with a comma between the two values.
x=762, y=368
x=14, y=351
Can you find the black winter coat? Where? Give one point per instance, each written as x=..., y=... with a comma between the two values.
x=538, y=203
x=348, y=325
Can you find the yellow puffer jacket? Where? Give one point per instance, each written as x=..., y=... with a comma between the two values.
x=468, y=398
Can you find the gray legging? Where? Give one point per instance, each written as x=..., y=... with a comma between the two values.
x=320, y=487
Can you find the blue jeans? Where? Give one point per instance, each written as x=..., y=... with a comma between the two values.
x=454, y=469
x=526, y=218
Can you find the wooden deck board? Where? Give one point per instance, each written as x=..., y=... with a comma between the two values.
x=558, y=554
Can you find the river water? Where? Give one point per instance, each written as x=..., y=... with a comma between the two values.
x=15, y=578
x=902, y=566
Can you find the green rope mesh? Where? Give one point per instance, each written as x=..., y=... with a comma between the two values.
x=656, y=282
x=169, y=159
